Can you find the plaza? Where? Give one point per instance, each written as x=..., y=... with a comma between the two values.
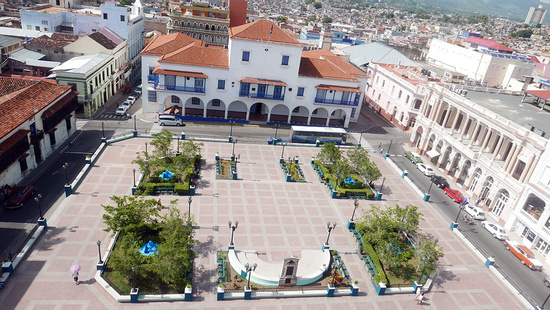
x=276, y=219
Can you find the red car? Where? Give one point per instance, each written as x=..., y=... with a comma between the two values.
x=455, y=195
x=19, y=195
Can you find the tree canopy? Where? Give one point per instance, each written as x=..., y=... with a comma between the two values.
x=132, y=214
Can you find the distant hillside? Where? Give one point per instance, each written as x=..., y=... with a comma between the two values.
x=512, y=9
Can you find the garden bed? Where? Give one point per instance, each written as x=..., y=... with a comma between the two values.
x=224, y=169
x=294, y=170
x=179, y=184
x=360, y=190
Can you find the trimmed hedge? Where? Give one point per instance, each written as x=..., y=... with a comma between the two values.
x=380, y=277
x=342, y=192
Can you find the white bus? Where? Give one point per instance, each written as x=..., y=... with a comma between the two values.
x=310, y=134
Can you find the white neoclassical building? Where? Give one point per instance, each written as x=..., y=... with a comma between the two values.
x=263, y=76
x=488, y=143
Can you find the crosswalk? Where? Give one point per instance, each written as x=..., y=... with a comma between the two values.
x=113, y=117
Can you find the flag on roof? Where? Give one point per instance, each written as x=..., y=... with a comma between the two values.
x=271, y=31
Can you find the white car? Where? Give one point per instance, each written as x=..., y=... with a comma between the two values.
x=131, y=99
x=495, y=230
x=126, y=104
x=475, y=212
x=427, y=171
x=121, y=110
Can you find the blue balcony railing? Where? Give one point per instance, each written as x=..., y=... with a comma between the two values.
x=153, y=78
x=261, y=96
x=337, y=101
x=180, y=88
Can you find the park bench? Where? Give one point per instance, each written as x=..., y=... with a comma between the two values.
x=164, y=189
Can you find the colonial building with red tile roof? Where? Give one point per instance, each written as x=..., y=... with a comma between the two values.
x=264, y=76
x=36, y=116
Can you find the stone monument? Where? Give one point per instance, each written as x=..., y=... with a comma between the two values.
x=288, y=274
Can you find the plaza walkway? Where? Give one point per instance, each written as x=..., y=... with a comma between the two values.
x=275, y=218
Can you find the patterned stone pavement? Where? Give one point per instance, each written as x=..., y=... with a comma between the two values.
x=275, y=218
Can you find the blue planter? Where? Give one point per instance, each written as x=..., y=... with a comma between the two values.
x=247, y=293
x=454, y=225
x=68, y=190
x=330, y=291
x=354, y=290
x=221, y=294
x=188, y=296
x=42, y=222
x=191, y=190
x=426, y=197
x=183, y=135
x=489, y=262
x=7, y=267
x=288, y=178
x=351, y=225
x=134, y=296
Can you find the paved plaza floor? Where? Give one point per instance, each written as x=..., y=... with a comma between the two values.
x=276, y=218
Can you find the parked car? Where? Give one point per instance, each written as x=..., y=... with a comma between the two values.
x=131, y=99
x=170, y=120
x=19, y=195
x=524, y=254
x=126, y=104
x=455, y=195
x=440, y=182
x=495, y=230
x=547, y=281
x=427, y=171
x=121, y=110
x=475, y=212
x=278, y=139
x=414, y=157
x=138, y=90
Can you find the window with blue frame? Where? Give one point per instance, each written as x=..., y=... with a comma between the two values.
x=221, y=84
x=199, y=85
x=277, y=93
x=245, y=89
x=152, y=96
x=345, y=97
x=321, y=93
x=300, y=92
x=284, y=62
x=246, y=56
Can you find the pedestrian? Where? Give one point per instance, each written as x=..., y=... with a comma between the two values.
x=381, y=151
x=380, y=145
x=419, y=298
x=75, y=277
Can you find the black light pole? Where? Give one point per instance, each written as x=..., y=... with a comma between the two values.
x=231, y=128
x=283, y=152
x=133, y=278
x=276, y=128
x=146, y=150
x=234, y=142
x=178, y=146
x=103, y=129
x=99, y=251
x=135, y=125
x=38, y=199
x=232, y=226
x=544, y=303
x=381, y=186
x=330, y=227
x=249, y=269
x=355, y=205
x=422, y=273
x=360, y=137
x=389, y=147
x=460, y=208
x=190, y=200
x=65, y=166
x=134, y=171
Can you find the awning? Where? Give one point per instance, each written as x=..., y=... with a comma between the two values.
x=432, y=153
x=339, y=88
x=543, y=94
x=262, y=81
x=180, y=73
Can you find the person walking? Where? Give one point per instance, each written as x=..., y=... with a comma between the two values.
x=75, y=277
x=419, y=298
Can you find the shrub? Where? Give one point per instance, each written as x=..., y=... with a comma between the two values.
x=181, y=188
x=380, y=277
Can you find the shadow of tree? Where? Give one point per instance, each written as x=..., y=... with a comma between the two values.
x=51, y=237
x=203, y=282
x=204, y=249
x=443, y=277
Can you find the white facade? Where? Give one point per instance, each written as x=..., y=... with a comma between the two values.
x=396, y=92
x=41, y=21
x=272, y=93
x=478, y=66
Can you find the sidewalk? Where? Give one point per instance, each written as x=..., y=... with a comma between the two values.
x=275, y=218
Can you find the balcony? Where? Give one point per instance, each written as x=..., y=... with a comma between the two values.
x=200, y=90
x=262, y=96
x=337, y=101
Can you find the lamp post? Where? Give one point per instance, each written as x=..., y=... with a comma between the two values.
x=427, y=195
x=133, y=278
x=231, y=129
x=276, y=128
x=146, y=154
x=544, y=303
x=233, y=152
x=99, y=252
x=135, y=125
x=455, y=223
x=103, y=130
x=249, y=269
x=351, y=223
x=360, y=138
x=65, y=166
x=190, y=200
x=283, y=153
x=388, y=152
x=232, y=226
x=330, y=227
x=38, y=199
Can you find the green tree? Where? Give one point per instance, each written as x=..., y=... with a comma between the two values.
x=131, y=214
x=282, y=19
x=361, y=164
x=317, y=5
x=175, y=255
x=427, y=253
x=327, y=20
x=162, y=144
x=524, y=33
x=329, y=154
x=125, y=2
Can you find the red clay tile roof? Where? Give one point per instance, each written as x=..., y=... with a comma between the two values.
x=340, y=88
x=163, y=45
x=179, y=73
x=56, y=40
x=262, y=81
x=544, y=94
x=103, y=40
x=12, y=140
x=260, y=31
x=21, y=98
x=59, y=104
x=325, y=64
x=211, y=56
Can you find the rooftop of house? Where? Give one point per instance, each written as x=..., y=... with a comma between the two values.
x=263, y=31
x=21, y=98
x=411, y=74
x=56, y=40
x=198, y=55
x=376, y=52
x=325, y=64
x=103, y=40
x=511, y=108
x=80, y=64
x=166, y=44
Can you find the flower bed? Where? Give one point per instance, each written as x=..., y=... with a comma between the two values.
x=359, y=190
x=179, y=184
x=292, y=168
x=224, y=169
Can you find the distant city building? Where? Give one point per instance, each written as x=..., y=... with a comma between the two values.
x=206, y=21
x=264, y=76
x=37, y=117
x=535, y=15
